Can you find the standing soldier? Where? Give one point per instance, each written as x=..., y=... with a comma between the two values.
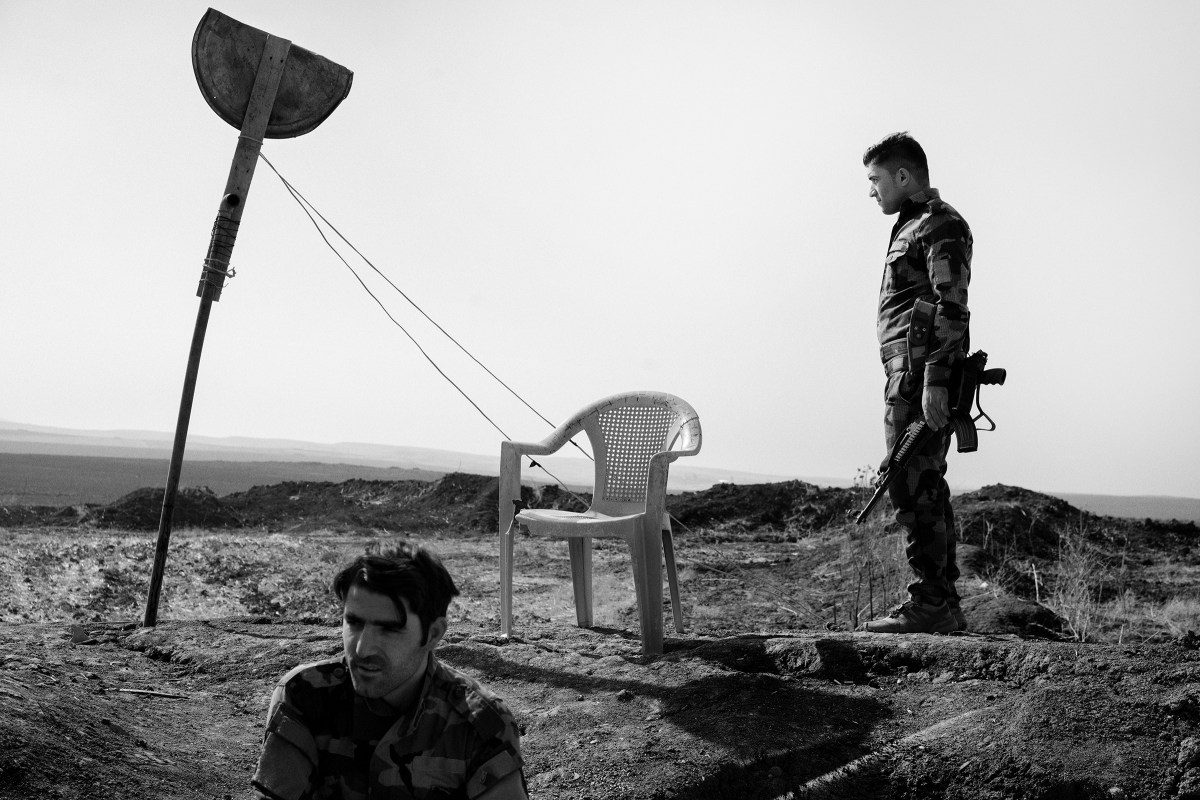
x=922, y=337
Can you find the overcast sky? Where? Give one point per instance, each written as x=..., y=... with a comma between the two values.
x=600, y=196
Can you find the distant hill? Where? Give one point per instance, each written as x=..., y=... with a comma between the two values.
x=68, y=480
x=61, y=466
x=1184, y=509
x=54, y=466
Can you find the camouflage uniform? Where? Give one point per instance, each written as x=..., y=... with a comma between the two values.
x=929, y=258
x=322, y=742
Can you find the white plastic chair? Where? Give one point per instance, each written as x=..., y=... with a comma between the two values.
x=632, y=436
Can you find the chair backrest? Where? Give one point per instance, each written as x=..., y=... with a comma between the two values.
x=625, y=432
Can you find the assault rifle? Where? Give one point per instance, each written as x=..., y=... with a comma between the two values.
x=970, y=377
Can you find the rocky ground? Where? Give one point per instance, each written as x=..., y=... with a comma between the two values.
x=769, y=693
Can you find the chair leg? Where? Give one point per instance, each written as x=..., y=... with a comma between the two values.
x=647, y=575
x=672, y=578
x=581, y=578
x=506, y=572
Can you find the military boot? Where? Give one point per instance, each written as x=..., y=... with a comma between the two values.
x=913, y=617
x=960, y=619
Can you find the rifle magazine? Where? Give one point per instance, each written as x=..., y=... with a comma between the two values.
x=965, y=434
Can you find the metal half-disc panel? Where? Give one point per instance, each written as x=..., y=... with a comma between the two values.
x=226, y=56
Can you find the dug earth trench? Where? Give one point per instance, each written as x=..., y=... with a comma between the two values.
x=177, y=711
x=758, y=699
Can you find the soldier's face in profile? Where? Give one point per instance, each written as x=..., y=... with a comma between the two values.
x=386, y=650
x=884, y=189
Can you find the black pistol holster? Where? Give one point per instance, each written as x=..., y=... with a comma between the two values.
x=920, y=331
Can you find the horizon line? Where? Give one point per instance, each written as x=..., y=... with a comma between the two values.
x=767, y=477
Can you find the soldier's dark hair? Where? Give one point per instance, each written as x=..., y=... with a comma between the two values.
x=413, y=573
x=898, y=150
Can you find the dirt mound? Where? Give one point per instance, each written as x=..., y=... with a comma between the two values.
x=792, y=505
x=141, y=510
x=457, y=501
x=21, y=516
x=310, y=505
x=1011, y=519
x=478, y=499
x=1008, y=614
x=994, y=516
x=1000, y=517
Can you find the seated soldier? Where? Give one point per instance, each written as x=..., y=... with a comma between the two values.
x=387, y=719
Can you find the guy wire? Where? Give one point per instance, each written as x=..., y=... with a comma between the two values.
x=305, y=206
x=300, y=198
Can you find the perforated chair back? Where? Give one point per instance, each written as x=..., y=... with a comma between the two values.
x=625, y=432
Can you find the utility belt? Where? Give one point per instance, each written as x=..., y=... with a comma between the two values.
x=894, y=356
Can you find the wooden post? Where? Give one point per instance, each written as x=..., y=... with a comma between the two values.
x=212, y=280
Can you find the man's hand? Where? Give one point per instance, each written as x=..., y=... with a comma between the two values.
x=935, y=404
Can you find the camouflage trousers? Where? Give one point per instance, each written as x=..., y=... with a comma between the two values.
x=921, y=498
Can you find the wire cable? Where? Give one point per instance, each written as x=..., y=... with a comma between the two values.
x=307, y=206
x=378, y=302
x=309, y=210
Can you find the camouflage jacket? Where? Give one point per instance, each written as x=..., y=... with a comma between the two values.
x=928, y=258
x=323, y=743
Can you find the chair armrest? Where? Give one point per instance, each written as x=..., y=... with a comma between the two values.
x=656, y=484
x=531, y=448
x=552, y=443
x=690, y=432
x=510, y=465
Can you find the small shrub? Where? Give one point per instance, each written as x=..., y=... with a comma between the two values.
x=1179, y=615
x=875, y=569
x=1079, y=577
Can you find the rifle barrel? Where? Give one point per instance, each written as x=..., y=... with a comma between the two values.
x=875, y=498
